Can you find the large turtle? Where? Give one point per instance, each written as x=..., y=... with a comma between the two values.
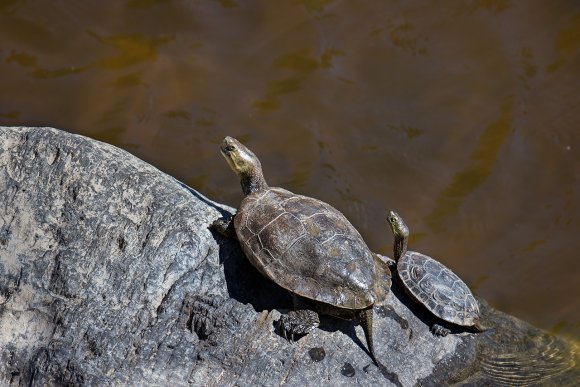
x=307, y=247
x=432, y=284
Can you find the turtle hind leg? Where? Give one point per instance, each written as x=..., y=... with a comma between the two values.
x=298, y=322
x=439, y=330
x=365, y=319
x=225, y=227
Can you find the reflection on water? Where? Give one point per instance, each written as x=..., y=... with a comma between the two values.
x=300, y=65
x=463, y=117
x=132, y=49
x=481, y=165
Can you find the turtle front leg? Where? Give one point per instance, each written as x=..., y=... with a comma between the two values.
x=439, y=330
x=298, y=322
x=225, y=227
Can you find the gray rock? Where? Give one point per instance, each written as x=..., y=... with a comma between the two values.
x=110, y=275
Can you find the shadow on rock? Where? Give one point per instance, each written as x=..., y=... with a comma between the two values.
x=244, y=282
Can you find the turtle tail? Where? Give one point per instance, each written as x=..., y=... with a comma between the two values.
x=478, y=327
x=365, y=319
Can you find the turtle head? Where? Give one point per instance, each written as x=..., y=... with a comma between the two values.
x=241, y=160
x=245, y=164
x=400, y=233
x=397, y=224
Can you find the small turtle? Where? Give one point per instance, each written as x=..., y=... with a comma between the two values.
x=305, y=246
x=432, y=284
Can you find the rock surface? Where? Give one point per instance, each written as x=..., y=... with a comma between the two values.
x=109, y=275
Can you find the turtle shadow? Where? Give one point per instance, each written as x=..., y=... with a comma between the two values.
x=330, y=324
x=223, y=212
x=247, y=285
x=244, y=283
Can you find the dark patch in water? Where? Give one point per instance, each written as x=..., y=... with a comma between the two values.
x=317, y=354
x=347, y=370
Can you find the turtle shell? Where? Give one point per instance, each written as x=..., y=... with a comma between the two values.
x=438, y=288
x=307, y=247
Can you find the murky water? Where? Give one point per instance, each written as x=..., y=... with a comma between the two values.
x=462, y=116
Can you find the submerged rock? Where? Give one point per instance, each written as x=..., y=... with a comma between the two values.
x=110, y=275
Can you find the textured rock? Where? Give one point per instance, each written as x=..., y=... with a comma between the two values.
x=109, y=275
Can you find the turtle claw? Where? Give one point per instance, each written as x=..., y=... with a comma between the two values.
x=439, y=331
x=287, y=335
x=225, y=227
x=297, y=323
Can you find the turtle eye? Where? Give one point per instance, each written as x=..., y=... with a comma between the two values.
x=229, y=148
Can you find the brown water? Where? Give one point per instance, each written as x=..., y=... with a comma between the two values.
x=462, y=116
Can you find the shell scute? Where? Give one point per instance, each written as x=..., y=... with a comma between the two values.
x=438, y=289
x=307, y=247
